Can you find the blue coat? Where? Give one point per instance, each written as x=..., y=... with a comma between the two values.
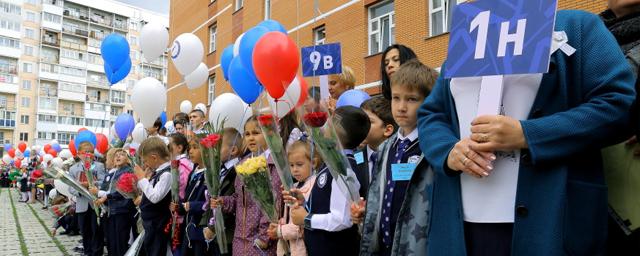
x=561, y=199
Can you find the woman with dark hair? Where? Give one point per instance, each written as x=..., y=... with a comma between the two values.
x=391, y=60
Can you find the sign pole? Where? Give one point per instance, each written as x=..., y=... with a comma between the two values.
x=490, y=100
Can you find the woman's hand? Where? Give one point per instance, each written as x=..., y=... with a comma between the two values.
x=497, y=133
x=298, y=213
x=475, y=163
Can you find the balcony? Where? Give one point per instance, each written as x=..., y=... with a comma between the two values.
x=50, y=59
x=53, y=2
x=74, y=30
x=97, y=82
x=9, y=83
x=53, y=6
x=50, y=41
x=121, y=25
x=49, y=71
x=76, y=14
x=72, y=45
x=9, y=69
x=7, y=119
x=99, y=19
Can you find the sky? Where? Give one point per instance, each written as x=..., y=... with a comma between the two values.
x=160, y=6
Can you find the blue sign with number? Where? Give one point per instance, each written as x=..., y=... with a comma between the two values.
x=321, y=60
x=500, y=37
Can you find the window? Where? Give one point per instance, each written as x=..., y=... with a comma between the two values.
x=96, y=123
x=24, y=119
x=24, y=136
x=381, y=27
x=26, y=102
x=133, y=40
x=47, y=103
x=47, y=118
x=72, y=71
x=3, y=100
x=47, y=135
x=212, y=88
x=65, y=137
x=34, y=2
x=70, y=120
x=319, y=35
x=26, y=84
x=9, y=42
x=69, y=87
x=28, y=33
x=10, y=8
x=117, y=97
x=51, y=17
x=31, y=16
x=133, y=25
x=28, y=50
x=239, y=4
x=440, y=14
x=27, y=67
x=212, y=38
x=71, y=54
x=10, y=24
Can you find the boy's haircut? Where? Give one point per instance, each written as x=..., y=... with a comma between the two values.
x=154, y=145
x=416, y=76
x=234, y=137
x=198, y=111
x=381, y=107
x=157, y=124
x=84, y=147
x=352, y=126
x=305, y=145
x=180, y=140
x=347, y=78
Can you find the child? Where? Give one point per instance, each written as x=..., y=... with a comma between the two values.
x=155, y=130
x=179, y=147
x=24, y=185
x=250, y=237
x=403, y=181
x=121, y=210
x=92, y=235
x=382, y=127
x=352, y=126
x=193, y=242
x=229, y=155
x=302, y=165
x=156, y=194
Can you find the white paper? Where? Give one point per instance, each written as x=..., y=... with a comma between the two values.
x=324, y=87
x=490, y=101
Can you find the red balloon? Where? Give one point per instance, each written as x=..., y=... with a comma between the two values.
x=52, y=152
x=81, y=129
x=303, y=92
x=12, y=152
x=72, y=148
x=18, y=164
x=102, y=143
x=22, y=146
x=47, y=147
x=275, y=62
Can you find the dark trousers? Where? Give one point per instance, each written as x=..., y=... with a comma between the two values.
x=156, y=240
x=198, y=248
x=118, y=233
x=619, y=243
x=488, y=239
x=69, y=223
x=92, y=236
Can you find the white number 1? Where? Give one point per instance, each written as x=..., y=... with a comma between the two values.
x=481, y=22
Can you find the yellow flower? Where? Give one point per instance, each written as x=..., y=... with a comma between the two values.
x=252, y=165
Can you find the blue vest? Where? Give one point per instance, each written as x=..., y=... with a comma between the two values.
x=159, y=211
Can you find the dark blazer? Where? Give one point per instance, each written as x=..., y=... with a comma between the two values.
x=362, y=174
x=194, y=195
x=561, y=201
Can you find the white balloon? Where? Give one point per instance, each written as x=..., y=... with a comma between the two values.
x=288, y=101
x=65, y=153
x=154, y=38
x=25, y=162
x=41, y=153
x=170, y=127
x=57, y=162
x=185, y=106
x=54, y=142
x=34, y=147
x=6, y=159
x=198, y=77
x=139, y=133
x=19, y=154
x=47, y=158
x=236, y=45
x=230, y=108
x=202, y=107
x=149, y=98
x=186, y=53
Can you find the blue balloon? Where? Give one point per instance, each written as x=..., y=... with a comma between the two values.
x=26, y=153
x=114, y=50
x=56, y=147
x=124, y=126
x=117, y=75
x=163, y=118
x=243, y=83
x=352, y=98
x=225, y=61
x=273, y=25
x=247, y=44
x=7, y=146
x=85, y=136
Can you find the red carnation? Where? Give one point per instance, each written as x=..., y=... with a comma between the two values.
x=127, y=183
x=315, y=119
x=36, y=174
x=132, y=151
x=266, y=120
x=175, y=164
x=210, y=141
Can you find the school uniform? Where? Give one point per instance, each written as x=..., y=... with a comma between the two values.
x=154, y=209
x=227, y=180
x=360, y=165
x=193, y=239
x=328, y=226
x=92, y=235
x=120, y=215
x=398, y=199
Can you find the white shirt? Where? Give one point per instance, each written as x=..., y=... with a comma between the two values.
x=492, y=199
x=339, y=216
x=162, y=187
x=103, y=193
x=412, y=136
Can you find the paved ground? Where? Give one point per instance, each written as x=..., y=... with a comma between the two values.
x=25, y=229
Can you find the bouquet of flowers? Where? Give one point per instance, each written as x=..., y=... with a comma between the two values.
x=324, y=136
x=210, y=148
x=175, y=198
x=57, y=173
x=60, y=210
x=268, y=125
x=127, y=186
x=255, y=176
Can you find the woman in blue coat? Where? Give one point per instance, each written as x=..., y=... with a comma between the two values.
x=530, y=181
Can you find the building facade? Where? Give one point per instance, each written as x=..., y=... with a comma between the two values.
x=52, y=79
x=363, y=27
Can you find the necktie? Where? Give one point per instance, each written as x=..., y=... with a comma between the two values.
x=372, y=164
x=388, y=194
